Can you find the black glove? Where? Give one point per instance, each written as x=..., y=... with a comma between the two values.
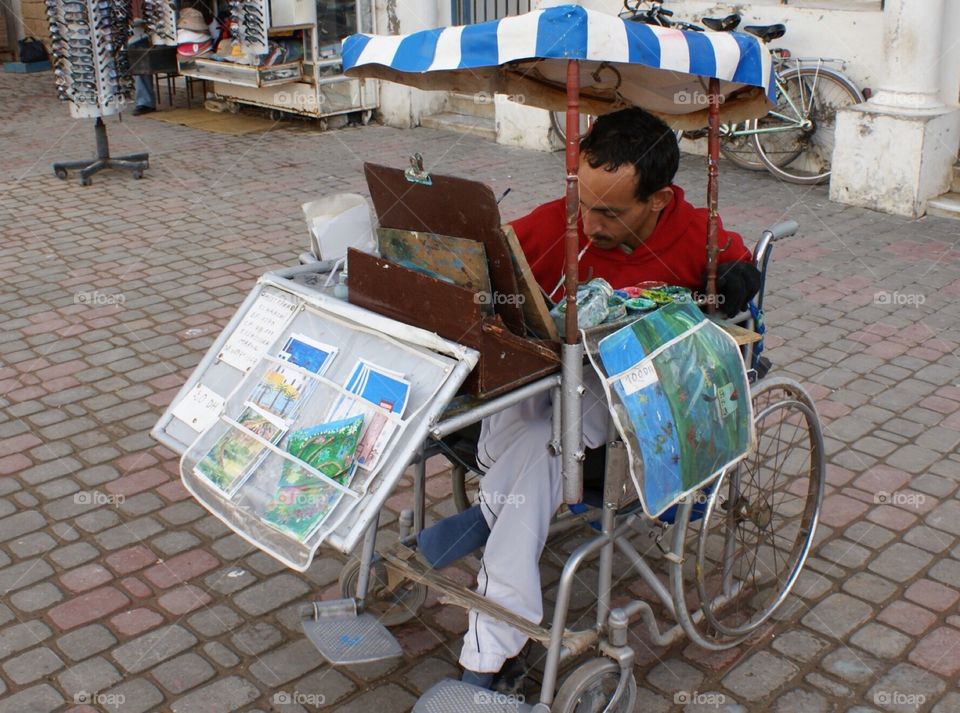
x=737, y=282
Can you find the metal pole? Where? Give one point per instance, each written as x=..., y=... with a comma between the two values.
x=713, y=170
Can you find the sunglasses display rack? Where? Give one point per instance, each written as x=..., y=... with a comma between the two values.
x=89, y=39
x=251, y=20
x=161, y=21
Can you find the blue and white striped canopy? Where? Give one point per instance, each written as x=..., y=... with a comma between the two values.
x=663, y=70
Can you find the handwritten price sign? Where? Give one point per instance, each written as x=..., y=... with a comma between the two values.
x=261, y=326
x=639, y=377
x=199, y=409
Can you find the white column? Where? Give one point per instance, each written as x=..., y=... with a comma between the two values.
x=896, y=152
x=913, y=32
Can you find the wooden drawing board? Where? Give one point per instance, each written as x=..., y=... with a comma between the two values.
x=536, y=311
x=450, y=206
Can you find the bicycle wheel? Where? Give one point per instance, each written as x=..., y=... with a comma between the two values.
x=739, y=148
x=558, y=122
x=761, y=519
x=803, y=124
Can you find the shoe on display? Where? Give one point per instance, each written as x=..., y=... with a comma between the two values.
x=143, y=110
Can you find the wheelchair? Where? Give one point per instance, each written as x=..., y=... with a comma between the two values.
x=718, y=564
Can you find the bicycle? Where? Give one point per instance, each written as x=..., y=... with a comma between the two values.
x=794, y=142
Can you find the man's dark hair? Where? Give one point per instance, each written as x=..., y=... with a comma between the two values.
x=633, y=136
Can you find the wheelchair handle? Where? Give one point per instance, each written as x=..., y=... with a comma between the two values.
x=783, y=229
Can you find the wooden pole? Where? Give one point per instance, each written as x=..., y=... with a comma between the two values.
x=713, y=171
x=571, y=240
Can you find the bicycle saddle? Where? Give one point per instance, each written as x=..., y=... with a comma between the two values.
x=766, y=32
x=722, y=24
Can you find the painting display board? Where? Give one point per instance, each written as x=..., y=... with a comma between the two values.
x=304, y=413
x=680, y=400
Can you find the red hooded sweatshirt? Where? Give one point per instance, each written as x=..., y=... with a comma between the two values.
x=674, y=253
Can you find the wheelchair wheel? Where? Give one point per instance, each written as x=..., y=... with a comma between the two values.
x=590, y=687
x=392, y=606
x=760, y=520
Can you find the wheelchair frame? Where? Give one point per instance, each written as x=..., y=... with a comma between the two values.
x=609, y=635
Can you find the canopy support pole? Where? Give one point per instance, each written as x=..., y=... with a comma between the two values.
x=571, y=433
x=713, y=171
x=571, y=240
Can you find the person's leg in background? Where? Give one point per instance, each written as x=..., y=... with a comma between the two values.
x=145, y=99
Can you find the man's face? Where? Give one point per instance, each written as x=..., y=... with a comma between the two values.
x=612, y=215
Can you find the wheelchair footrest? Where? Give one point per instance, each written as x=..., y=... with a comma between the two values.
x=449, y=696
x=342, y=636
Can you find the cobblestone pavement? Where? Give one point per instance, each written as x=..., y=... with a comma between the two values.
x=118, y=587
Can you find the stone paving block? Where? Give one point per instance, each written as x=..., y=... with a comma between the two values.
x=141, y=504
x=828, y=685
x=905, y=688
x=937, y=652
x=255, y=638
x=152, y=648
x=89, y=640
x=132, y=696
x=673, y=676
x=128, y=533
x=32, y=665
x=41, y=596
x=286, y=663
x=92, y=675
x=837, y=615
x=799, y=645
x=38, y=699
x=183, y=599
x=181, y=568
x=932, y=595
x=422, y=676
x=229, y=579
x=175, y=542
x=385, y=699
x=929, y=539
x=131, y=559
x=949, y=703
x=220, y=654
x=86, y=577
x=20, y=524
x=851, y=667
x=135, y=621
x=23, y=574
x=759, y=676
x=944, y=517
x=800, y=699
x=33, y=544
x=881, y=641
x=221, y=696
x=900, y=562
x=183, y=673
x=75, y=554
x=214, y=620
x=270, y=594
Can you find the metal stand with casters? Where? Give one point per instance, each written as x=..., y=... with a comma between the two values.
x=134, y=163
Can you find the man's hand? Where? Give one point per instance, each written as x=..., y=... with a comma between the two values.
x=737, y=282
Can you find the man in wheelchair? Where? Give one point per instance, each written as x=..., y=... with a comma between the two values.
x=634, y=226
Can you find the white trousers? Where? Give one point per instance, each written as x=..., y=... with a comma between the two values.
x=519, y=494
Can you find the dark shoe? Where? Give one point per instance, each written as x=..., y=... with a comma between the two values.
x=509, y=680
x=453, y=537
x=143, y=110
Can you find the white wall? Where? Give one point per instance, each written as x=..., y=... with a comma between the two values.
x=402, y=106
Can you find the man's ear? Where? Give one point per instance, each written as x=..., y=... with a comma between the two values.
x=661, y=198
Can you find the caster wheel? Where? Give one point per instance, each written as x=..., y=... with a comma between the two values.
x=391, y=606
x=137, y=175
x=60, y=173
x=276, y=115
x=85, y=181
x=590, y=688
